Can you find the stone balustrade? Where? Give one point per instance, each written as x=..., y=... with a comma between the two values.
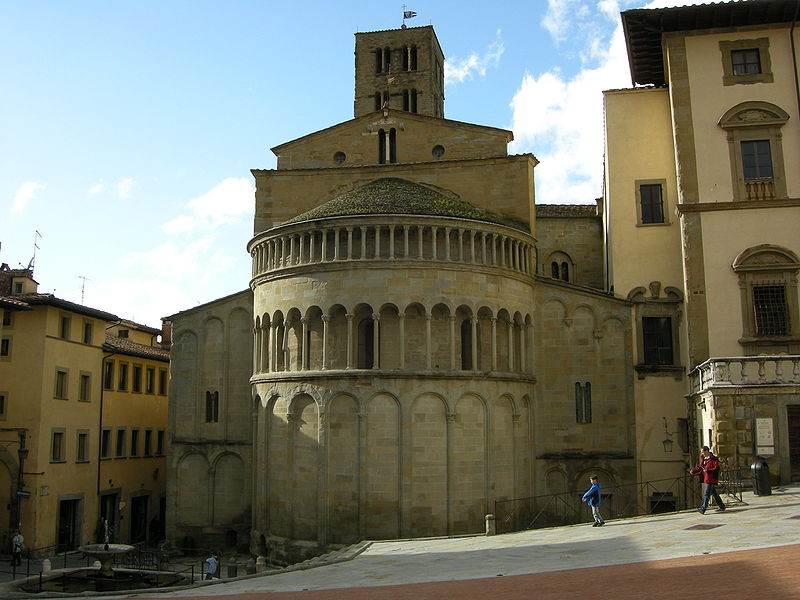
x=391, y=238
x=746, y=370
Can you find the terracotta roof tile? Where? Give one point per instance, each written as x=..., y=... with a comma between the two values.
x=126, y=346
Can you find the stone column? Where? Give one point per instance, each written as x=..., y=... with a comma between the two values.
x=335, y=244
x=324, y=248
x=266, y=340
x=503, y=251
x=257, y=349
x=452, y=342
x=376, y=341
x=311, y=248
x=303, y=345
x=420, y=231
x=273, y=358
x=402, y=318
x=363, y=242
x=405, y=241
x=428, y=341
x=474, y=323
x=434, y=252
x=447, y=243
x=494, y=249
x=461, y=245
x=349, y=243
x=301, y=249
x=325, y=319
x=391, y=242
x=377, y=241
x=349, y=340
x=511, y=346
x=472, y=246
x=283, y=250
x=494, y=343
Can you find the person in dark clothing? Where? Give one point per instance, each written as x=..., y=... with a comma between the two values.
x=708, y=469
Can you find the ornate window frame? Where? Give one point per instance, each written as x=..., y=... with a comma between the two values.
x=657, y=305
x=755, y=120
x=759, y=44
x=762, y=264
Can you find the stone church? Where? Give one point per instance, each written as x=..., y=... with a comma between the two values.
x=420, y=339
x=417, y=342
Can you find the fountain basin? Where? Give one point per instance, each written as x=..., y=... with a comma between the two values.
x=105, y=553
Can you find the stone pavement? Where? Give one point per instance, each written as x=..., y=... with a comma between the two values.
x=749, y=551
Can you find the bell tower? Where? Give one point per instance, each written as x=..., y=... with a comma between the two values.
x=401, y=69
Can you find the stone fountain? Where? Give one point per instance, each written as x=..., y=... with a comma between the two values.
x=105, y=553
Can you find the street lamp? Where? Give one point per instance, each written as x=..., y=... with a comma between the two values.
x=667, y=441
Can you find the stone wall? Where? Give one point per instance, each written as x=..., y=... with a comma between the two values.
x=578, y=240
x=210, y=459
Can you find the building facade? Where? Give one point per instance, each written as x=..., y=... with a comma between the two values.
x=414, y=358
x=56, y=415
x=702, y=190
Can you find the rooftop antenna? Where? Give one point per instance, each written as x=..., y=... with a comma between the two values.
x=36, y=237
x=83, y=284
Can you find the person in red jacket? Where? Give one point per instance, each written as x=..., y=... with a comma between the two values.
x=708, y=468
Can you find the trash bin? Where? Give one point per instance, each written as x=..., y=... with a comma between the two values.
x=760, y=469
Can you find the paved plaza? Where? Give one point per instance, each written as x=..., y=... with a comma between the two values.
x=751, y=550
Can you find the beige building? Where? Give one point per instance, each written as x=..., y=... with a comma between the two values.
x=423, y=343
x=58, y=411
x=701, y=191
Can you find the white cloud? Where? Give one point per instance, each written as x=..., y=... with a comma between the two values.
x=95, y=189
x=457, y=70
x=560, y=118
x=125, y=188
x=227, y=202
x=26, y=192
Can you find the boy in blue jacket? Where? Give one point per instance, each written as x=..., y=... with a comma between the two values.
x=592, y=497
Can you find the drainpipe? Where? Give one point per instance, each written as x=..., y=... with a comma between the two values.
x=100, y=428
x=794, y=54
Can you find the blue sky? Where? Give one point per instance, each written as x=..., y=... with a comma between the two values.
x=129, y=128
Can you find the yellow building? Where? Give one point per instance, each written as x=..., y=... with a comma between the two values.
x=56, y=356
x=702, y=219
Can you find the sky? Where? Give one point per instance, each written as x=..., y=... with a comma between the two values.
x=128, y=128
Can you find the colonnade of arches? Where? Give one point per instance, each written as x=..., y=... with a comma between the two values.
x=374, y=241
x=414, y=338
x=386, y=465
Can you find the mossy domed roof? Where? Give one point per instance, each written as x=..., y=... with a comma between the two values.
x=394, y=196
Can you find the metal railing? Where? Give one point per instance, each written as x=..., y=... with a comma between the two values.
x=619, y=501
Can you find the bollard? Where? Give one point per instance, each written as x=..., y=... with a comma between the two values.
x=233, y=568
x=261, y=564
x=46, y=566
x=250, y=567
x=491, y=528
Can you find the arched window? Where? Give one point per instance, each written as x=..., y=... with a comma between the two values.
x=554, y=270
x=379, y=60
x=387, y=146
x=387, y=59
x=212, y=407
x=565, y=271
x=466, y=345
x=366, y=340
x=378, y=101
x=583, y=402
x=412, y=101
